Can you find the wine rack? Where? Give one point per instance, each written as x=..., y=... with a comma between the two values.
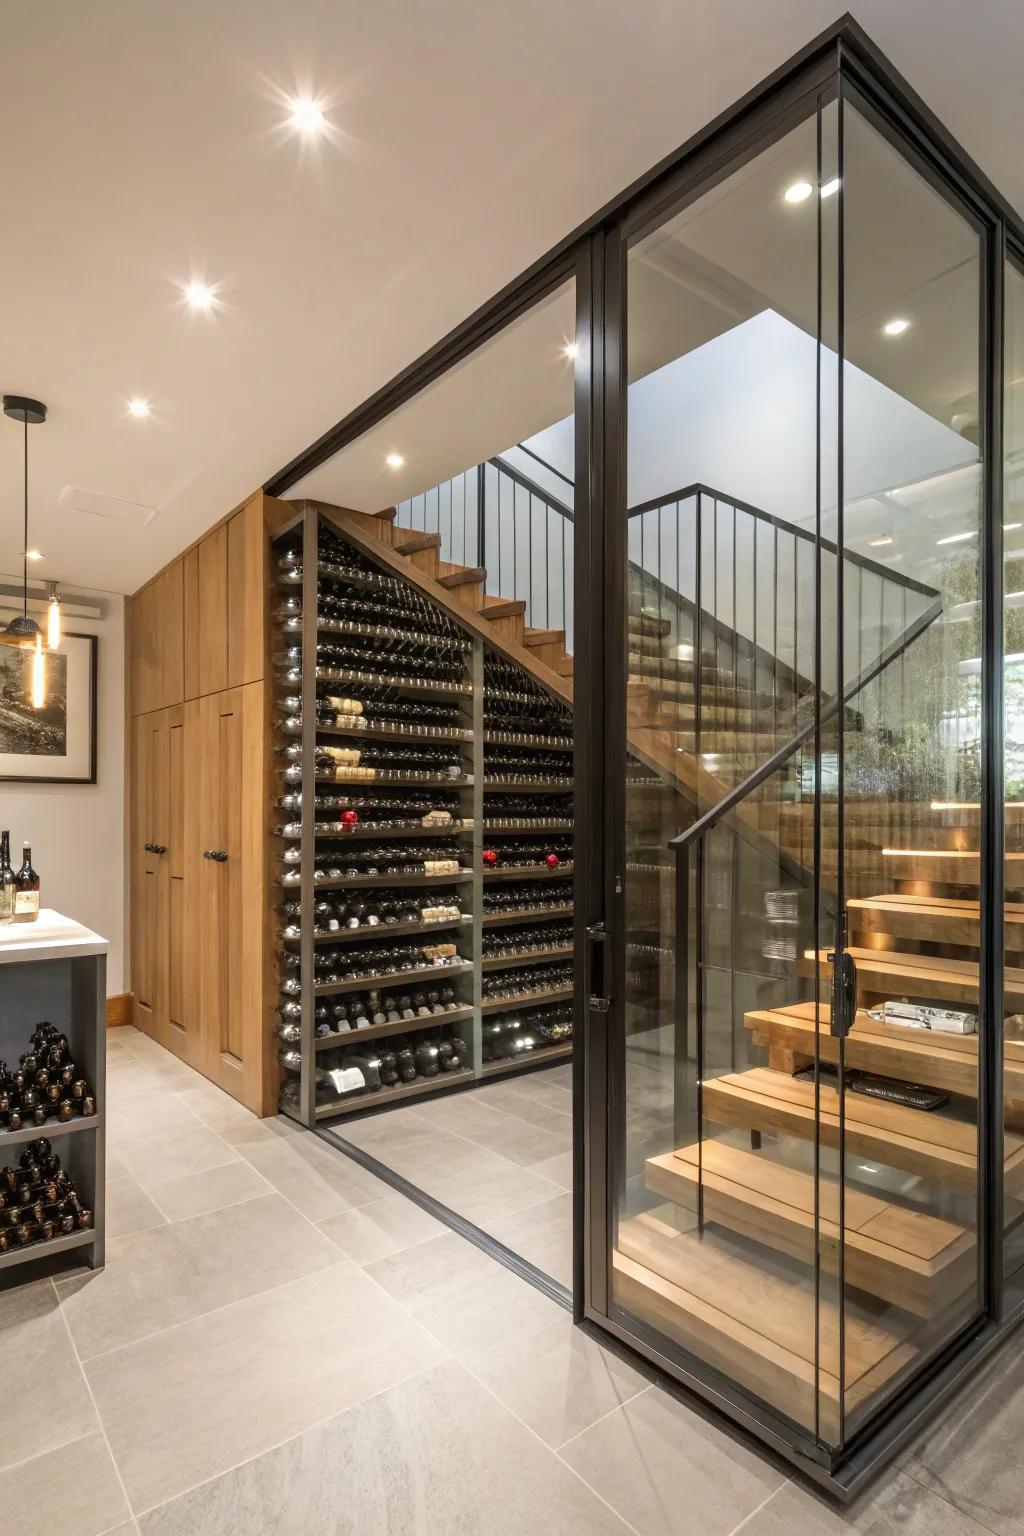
x=423, y=835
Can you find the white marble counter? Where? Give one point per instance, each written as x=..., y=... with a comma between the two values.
x=51, y=937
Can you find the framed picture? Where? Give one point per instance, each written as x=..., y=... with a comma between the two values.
x=55, y=744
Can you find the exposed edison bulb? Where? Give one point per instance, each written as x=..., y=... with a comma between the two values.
x=53, y=621
x=38, y=673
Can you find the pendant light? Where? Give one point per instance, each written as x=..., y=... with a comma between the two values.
x=53, y=618
x=23, y=631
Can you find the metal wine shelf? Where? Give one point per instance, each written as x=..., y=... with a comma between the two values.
x=367, y=882
x=525, y=957
x=393, y=979
x=396, y=781
x=50, y=1129
x=541, y=1056
x=528, y=786
x=528, y=872
x=525, y=1000
x=525, y=915
x=423, y=737
x=530, y=824
x=345, y=1037
x=419, y=686
x=364, y=1101
x=378, y=931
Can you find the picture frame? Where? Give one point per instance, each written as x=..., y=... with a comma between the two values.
x=55, y=745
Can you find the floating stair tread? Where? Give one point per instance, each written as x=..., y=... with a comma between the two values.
x=537, y=637
x=933, y=919
x=385, y=515
x=933, y=1144
x=462, y=576
x=917, y=1261
x=949, y=1062
x=760, y=1329
x=414, y=542
x=924, y=975
x=503, y=608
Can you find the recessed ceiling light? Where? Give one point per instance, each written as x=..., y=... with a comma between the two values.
x=956, y=538
x=830, y=187
x=571, y=349
x=879, y=543
x=896, y=327
x=307, y=116
x=199, y=296
x=33, y=554
x=799, y=192
x=138, y=407
x=394, y=461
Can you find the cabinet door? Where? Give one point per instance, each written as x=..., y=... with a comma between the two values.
x=155, y=643
x=224, y=843
x=206, y=615
x=148, y=820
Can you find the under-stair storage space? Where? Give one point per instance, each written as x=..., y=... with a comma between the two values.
x=423, y=827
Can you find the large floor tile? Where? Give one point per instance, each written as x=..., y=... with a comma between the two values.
x=129, y=1208
x=972, y=1455
x=160, y=1278
x=217, y=1109
x=547, y=1116
x=143, y=1117
x=900, y=1507
x=187, y=1149
x=381, y=1228
x=127, y=1075
x=54, y=1405
x=554, y=1377
x=541, y=1234
x=491, y=1128
x=557, y=1169
x=460, y=1294
x=436, y=1456
x=195, y=1194
x=73, y=1493
x=319, y=1180
x=669, y=1472
x=195, y=1400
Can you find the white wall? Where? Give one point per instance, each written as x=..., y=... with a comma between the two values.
x=77, y=830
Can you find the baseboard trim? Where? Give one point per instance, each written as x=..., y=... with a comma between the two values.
x=119, y=1009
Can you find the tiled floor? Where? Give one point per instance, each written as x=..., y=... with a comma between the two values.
x=500, y=1155
x=281, y=1346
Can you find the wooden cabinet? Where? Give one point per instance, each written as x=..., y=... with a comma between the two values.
x=225, y=862
x=157, y=870
x=156, y=643
x=200, y=783
x=224, y=605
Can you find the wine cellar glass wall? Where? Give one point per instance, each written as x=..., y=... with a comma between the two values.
x=424, y=841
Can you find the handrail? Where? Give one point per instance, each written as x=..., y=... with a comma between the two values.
x=538, y=460
x=704, y=824
x=698, y=489
x=532, y=487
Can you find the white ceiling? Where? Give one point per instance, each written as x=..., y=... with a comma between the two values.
x=143, y=146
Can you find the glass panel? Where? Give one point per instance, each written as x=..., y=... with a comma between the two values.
x=716, y=1219
x=911, y=712
x=1013, y=760
x=432, y=1003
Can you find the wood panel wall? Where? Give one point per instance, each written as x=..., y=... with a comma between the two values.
x=200, y=780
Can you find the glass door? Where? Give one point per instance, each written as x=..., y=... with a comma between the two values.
x=793, y=1040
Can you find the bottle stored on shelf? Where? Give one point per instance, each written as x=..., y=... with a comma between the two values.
x=7, y=884
x=26, y=889
x=45, y=1084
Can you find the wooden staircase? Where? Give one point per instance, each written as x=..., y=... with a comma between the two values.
x=910, y=1177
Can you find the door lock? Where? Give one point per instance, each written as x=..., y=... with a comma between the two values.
x=217, y=854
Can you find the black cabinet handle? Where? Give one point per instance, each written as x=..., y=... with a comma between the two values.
x=217, y=854
x=155, y=847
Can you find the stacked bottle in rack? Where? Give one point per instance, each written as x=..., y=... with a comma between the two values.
x=382, y=770
x=527, y=856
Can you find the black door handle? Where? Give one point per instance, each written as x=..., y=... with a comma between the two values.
x=597, y=934
x=844, y=993
x=155, y=847
x=217, y=854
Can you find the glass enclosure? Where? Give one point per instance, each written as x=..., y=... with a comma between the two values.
x=736, y=480
x=795, y=1163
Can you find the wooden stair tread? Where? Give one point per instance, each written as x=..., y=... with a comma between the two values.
x=760, y=1327
x=461, y=575
x=544, y=637
x=948, y=1062
x=412, y=543
x=934, y=976
x=932, y=1144
x=386, y=514
x=919, y=1262
x=931, y=919
x=502, y=608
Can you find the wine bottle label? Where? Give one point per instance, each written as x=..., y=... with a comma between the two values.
x=26, y=904
x=437, y=819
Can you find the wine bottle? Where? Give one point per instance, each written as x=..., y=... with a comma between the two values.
x=7, y=886
x=26, y=889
